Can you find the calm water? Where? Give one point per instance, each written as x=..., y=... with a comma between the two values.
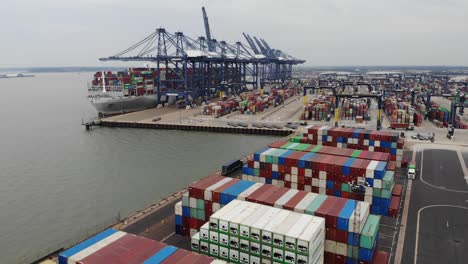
x=59, y=183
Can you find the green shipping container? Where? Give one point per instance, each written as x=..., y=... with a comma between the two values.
x=353, y=252
x=315, y=205
x=201, y=204
x=296, y=139
x=316, y=149
x=302, y=147
x=376, y=192
x=387, y=194
x=200, y=214
x=369, y=232
x=345, y=187
x=356, y=153
x=388, y=180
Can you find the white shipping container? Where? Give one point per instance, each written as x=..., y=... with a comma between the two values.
x=234, y=224
x=292, y=235
x=330, y=246
x=287, y=177
x=315, y=182
x=195, y=242
x=322, y=175
x=308, y=173
x=233, y=210
x=377, y=184
x=368, y=199
x=322, y=191
x=267, y=231
x=361, y=220
x=208, y=191
x=205, y=231
x=370, y=169
x=294, y=185
x=234, y=255
x=192, y=202
x=223, y=252
x=274, y=167
x=285, y=198
x=294, y=178
x=322, y=184
x=204, y=247
x=215, y=217
x=95, y=247
x=342, y=249
x=178, y=208
x=245, y=226
x=257, y=227
x=306, y=201
x=280, y=231
x=215, y=207
x=294, y=170
x=312, y=237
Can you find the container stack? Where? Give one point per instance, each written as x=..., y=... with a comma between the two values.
x=221, y=108
x=352, y=138
x=245, y=232
x=345, y=219
x=324, y=174
x=351, y=108
x=320, y=149
x=317, y=109
x=112, y=246
x=133, y=81
x=401, y=114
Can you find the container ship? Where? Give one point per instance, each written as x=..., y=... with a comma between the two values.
x=123, y=91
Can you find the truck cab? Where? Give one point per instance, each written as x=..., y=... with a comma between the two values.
x=412, y=170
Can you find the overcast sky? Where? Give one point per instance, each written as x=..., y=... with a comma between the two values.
x=323, y=32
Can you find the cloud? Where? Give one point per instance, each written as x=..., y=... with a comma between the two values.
x=324, y=32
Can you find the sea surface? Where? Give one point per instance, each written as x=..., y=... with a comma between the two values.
x=60, y=183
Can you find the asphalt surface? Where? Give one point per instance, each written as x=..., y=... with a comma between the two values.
x=441, y=198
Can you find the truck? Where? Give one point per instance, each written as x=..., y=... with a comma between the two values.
x=231, y=166
x=412, y=170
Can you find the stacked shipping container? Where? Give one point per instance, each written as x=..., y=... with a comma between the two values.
x=324, y=174
x=317, y=109
x=352, y=138
x=245, y=232
x=345, y=219
x=112, y=246
x=351, y=108
x=401, y=114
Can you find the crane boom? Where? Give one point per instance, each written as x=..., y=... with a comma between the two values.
x=207, y=30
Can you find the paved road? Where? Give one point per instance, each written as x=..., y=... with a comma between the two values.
x=443, y=230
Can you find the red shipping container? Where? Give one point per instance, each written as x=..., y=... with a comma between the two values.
x=397, y=190
x=340, y=259
x=380, y=257
x=394, y=206
x=329, y=258
x=291, y=204
x=197, y=189
x=271, y=200
x=253, y=197
x=341, y=236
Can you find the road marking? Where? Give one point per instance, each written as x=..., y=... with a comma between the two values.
x=417, y=224
x=404, y=219
x=462, y=163
x=432, y=185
